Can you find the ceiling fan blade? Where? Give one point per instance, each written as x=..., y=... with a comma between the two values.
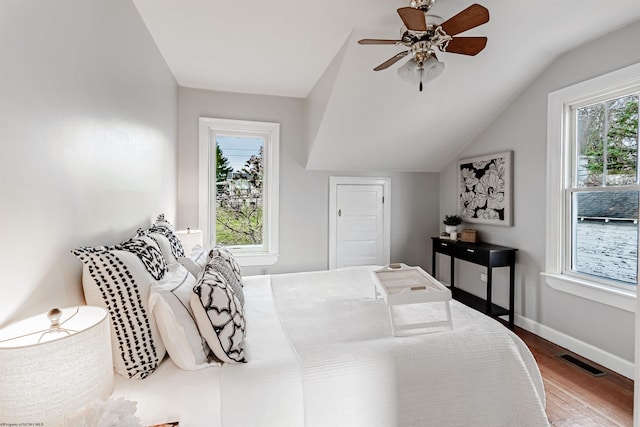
x=377, y=41
x=469, y=18
x=413, y=19
x=466, y=45
x=389, y=62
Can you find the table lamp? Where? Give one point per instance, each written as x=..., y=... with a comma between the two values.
x=52, y=365
x=189, y=238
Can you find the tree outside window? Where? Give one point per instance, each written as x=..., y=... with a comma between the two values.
x=239, y=191
x=607, y=134
x=604, y=201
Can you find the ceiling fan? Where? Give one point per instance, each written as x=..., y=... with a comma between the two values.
x=423, y=33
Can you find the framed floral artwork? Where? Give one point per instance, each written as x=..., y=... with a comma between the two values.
x=484, y=189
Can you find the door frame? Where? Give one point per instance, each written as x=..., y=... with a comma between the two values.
x=334, y=181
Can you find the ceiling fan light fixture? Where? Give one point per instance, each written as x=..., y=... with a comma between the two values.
x=432, y=68
x=422, y=34
x=415, y=72
x=410, y=72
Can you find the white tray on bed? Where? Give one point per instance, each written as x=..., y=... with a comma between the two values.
x=400, y=284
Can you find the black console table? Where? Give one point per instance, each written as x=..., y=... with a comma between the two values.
x=483, y=254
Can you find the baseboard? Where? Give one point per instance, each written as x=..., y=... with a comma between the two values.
x=595, y=354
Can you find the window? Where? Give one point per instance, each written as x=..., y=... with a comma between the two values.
x=603, y=194
x=239, y=187
x=593, y=189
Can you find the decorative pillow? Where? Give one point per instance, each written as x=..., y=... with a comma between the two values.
x=225, y=254
x=169, y=302
x=161, y=220
x=164, y=245
x=118, y=281
x=148, y=251
x=219, y=316
x=164, y=227
x=225, y=267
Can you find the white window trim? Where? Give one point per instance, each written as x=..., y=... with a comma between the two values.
x=208, y=128
x=559, y=173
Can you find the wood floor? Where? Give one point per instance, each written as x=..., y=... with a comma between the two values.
x=575, y=397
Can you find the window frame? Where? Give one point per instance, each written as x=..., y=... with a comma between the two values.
x=560, y=176
x=209, y=128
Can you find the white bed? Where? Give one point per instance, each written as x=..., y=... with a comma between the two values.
x=320, y=353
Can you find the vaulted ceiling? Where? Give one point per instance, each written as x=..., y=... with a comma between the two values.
x=360, y=119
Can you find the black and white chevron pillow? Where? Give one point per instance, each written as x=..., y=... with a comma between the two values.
x=148, y=251
x=165, y=230
x=163, y=243
x=219, y=316
x=118, y=281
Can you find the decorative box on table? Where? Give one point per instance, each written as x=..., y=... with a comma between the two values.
x=469, y=235
x=400, y=284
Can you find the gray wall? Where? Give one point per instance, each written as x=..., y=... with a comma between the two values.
x=304, y=195
x=522, y=127
x=88, y=145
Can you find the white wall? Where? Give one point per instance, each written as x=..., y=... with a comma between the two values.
x=88, y=126
x=304, y=195
x=522, y=127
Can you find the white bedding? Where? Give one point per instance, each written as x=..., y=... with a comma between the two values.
x=172, y=394
x=321, y=353
x=265, y=391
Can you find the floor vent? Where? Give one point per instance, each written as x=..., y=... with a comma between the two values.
x=582, y=365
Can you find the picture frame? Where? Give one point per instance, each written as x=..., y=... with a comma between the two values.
x=485, y=189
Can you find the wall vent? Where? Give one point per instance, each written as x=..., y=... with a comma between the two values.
x=582, y=365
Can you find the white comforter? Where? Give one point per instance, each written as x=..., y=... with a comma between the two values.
x=321, y=353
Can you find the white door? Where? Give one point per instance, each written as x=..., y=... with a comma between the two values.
x=360, y=225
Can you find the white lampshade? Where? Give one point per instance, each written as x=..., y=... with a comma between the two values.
x=189, y=238
x=410, y=71
x=41, y=382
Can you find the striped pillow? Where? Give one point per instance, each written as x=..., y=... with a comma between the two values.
x=224, y=262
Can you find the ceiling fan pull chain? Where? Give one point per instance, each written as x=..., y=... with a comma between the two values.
x=421, y=72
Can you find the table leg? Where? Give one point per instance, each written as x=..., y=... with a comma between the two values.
x=511, y=294
x=452, y=272
x=489, y=290
x=433, y=263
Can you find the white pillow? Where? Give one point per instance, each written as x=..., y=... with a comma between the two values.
x=196, y=260
x=219, y=316
x=169, y=302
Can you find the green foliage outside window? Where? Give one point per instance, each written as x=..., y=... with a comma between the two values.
x=223, y=169
x=618, y=149
x=239, y=211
